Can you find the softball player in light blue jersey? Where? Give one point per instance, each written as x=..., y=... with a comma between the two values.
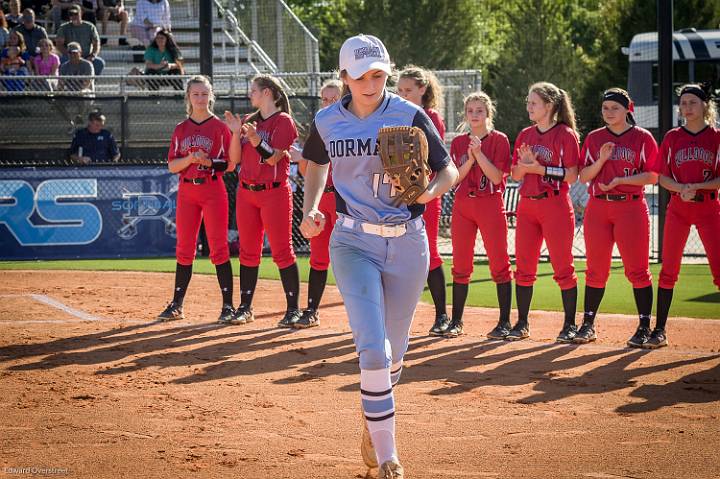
x=378, y=250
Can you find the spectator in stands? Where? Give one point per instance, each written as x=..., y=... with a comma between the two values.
x=15, y=40
x=84, y=33
x=13, y=18
x=163, y=57
x=40, y=7
x=31, y=32
x=45, y=63
x=114, y=10
x=13, y=65
x=94, y=144
x=89, y=10
x=150, y=17
x=61, y=11
x=76, y=66
x=4, y=32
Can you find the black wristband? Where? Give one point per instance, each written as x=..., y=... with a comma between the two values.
x=555, y=173
x=219, y=165
x=265, y=150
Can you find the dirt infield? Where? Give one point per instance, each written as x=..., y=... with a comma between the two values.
x=92, y=387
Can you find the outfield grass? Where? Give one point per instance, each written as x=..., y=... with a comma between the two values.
x=695, y=295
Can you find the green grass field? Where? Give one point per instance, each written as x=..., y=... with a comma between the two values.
x=695, y=295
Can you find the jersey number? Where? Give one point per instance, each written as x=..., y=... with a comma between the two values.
x=483, y=182
x=707, y=175
x=630, y=172
x=385, y=181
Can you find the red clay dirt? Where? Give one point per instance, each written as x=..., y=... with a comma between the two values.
x=119, y=395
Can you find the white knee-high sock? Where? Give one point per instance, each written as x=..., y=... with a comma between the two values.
x=378, y=404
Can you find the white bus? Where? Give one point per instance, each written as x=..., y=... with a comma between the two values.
x=696, y=55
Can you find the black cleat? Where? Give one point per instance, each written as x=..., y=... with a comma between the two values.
x=172, y=312
x=243, y=315
x=518, y=332
x=226, y=314
x=567, y=334
x=500, y=332
x=658, y=339
x=455, y=329
x=291, y=317
x=641, y=336
x=442, y=323
x=309, y=319
x=586, y=334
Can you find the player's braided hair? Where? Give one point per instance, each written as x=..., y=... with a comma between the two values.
x=279, y=96
x=433, y=96
x=710, y=114
x=560, y=99
x=630, y=118
x=485, y=99
x=201, y=79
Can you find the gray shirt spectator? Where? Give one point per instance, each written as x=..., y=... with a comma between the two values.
x=76, y=66
x=31, y=31
x=84, y=33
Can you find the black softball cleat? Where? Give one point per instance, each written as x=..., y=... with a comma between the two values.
x=658, y=339
x=641, y=336
x=291, y=317
x=442, y=323
x=172, y=312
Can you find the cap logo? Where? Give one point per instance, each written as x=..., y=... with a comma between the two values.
x=363, y=52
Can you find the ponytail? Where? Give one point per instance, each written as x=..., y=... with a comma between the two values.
x=565, y=110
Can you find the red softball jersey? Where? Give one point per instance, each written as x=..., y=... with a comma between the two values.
x=496, y=147
x=635, y=152
x=280, y=132
x=437, y=121
x=691, y=157
x=211, y=136
x=557, y=146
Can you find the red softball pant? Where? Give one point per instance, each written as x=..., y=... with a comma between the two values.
x=553, y=220
x=320, y=244
x=626, y=223
x=431, y=215
x=258, y=211
x=208, y=201
x=487, y=214
x=680, y=215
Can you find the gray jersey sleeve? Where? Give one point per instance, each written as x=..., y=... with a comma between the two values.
x=314, y=149
x=438, y=157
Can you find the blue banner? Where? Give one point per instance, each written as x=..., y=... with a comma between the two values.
x=87, y=212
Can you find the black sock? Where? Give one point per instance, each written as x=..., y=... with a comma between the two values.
x=182, y=279
x=290, y=278
x=504, y=295
x=460, y=292
x=248, y=282
x=316, y=287
x=643, y=301
x=524, y=298
x=225, y=279
x=436, y=284
x=569, y=300
x=664, y=300
x=593, y=298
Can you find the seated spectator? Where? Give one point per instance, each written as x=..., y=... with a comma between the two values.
x=114, y=10
x=13, y=18
x=76, y=66
x=15, y=40
x=40, y=7
x=150, y=17
x=46, y=63
x=94, y=144
x=31, y=32
x=163, y=57
x=89, y=10
x=84, y=33
x=13, y=65
x=61, y=11
x=4, y=32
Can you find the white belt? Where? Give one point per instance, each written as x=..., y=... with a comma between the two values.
x=386, y=231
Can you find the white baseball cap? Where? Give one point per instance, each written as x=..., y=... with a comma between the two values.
x=362, y=53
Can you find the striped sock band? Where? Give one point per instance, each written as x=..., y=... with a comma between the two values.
x=378, y=404
x=395, y=372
